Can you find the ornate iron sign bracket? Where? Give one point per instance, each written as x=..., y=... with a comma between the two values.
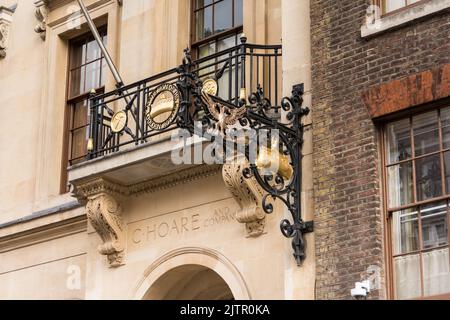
x=256, y=112
x=189, y=95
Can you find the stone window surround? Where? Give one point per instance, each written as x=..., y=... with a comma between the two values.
x=53, y=98
x=404, y=16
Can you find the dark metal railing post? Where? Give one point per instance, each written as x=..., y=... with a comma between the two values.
x=243, y=59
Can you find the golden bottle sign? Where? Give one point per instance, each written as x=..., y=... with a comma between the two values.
x=162, y=106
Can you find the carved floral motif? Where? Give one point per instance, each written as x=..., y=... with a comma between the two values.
x=105, y=215
x=104, y=212
x=248, y=194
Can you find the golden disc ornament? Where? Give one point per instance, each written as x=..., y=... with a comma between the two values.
x=210, y=87
x=162, y=106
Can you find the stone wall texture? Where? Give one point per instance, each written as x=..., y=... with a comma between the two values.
x=347, y=171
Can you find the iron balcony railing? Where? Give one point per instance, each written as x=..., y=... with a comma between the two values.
x=246, y=66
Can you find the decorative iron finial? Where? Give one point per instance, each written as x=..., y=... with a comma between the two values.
x=243, y=38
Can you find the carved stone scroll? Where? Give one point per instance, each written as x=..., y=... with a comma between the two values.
x=104, y=212
x=247, y=193
x=5, y=23
x=41, y=15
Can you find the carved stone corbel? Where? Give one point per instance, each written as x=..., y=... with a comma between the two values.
x=41, y=14
x=248, y=194
x=5, y=23
x=104, y=212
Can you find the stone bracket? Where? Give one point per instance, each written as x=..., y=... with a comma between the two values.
x=104, y=212
x=41, y=14
x=248, y=193
x=5, y=23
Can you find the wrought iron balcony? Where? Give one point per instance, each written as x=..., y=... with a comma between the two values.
x=239, y=86
x=246, y=66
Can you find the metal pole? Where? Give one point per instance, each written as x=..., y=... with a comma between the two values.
x=94, y=31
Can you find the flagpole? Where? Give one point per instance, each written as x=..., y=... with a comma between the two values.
x=112, y=67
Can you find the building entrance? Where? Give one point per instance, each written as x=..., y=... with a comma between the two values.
x=189, y=282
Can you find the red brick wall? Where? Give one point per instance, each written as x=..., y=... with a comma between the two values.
x=347, y=184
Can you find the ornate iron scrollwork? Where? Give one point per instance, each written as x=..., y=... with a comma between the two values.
x=257, y=114
x=193, y=103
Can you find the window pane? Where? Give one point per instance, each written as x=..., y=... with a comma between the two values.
x=426, y=133
x=103, y=73
x=399, y=141
x=202, y=3
x=400, y=179
x=105, y=39
x=405, y=231
x=93, y=75
x=79, y=143
x=428, y=177
x=80, y=115
x=436, y=272
x=392, y=5
x=204, y=23
x=226, y=43
x=445, y=123
x=407, y=277
x=77, y=81
x=93, y=51
x=223, y=44
x=205, y=51
x=223, y=16
x=78, y=55
x=238, y=13
x=434, y=225
x=447, y=171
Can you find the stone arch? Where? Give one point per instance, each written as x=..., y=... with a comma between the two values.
x=193, y=256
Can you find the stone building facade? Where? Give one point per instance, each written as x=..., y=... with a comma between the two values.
x=89, y=214
x=131, y=224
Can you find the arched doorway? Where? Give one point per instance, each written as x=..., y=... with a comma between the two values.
x=189, y=282
x=191, y=265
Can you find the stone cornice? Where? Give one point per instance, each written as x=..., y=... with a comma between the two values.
x=97, y=186
x=43, y=233
x=174, y=179
x=101, y=185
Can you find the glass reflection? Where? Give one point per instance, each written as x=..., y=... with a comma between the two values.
x=400, y=179
x=399, y=141
x=426, y=133
x=428, y=177
x=405, y=231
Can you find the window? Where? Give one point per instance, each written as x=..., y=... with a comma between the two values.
x=86, y=72
x=392, y=5
x=217, y=24
x=397, y=13
x=417, y=170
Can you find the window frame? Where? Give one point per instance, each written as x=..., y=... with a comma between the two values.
x=388, y=213
x=71, y=101
x=382, y=5
x=196, y=44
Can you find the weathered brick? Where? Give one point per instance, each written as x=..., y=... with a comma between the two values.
x=410, y=66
